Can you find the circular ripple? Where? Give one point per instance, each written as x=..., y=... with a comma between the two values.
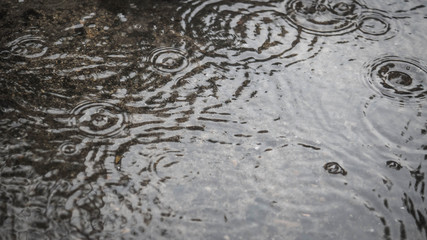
x=398, y=78
x=397, y=126
x=169, y=60
x=243, y=32
x=322, y=17
x=69, y=149
x=373, y=24
x=5, y=54
x=99, y=119
x=27, y=46
x=377, y=25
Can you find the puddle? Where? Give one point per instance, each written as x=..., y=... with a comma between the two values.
x=213, y=119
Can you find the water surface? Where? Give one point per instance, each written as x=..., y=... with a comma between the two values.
x=249, y=119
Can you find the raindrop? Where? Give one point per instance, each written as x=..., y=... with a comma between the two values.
x=69, y=149
x=394, y=165
x=334, y=168
x=27, y=46
x=99, y=119
x=169, y=60
x=397, y=78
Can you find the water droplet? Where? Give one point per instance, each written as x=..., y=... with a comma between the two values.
x=343, y=9
x=394, y=165
x=334, y=168
x=69, y=148
x=169, y=60
x=324, y=18
x=28, y=46
x=397, y=78
x=99, y=119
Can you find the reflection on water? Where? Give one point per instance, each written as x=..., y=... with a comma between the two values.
x=212, y=119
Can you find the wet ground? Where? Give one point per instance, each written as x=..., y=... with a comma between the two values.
x=290, y=119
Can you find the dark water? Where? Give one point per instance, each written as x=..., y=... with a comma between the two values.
x=295, y=119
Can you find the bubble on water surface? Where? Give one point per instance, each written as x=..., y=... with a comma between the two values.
x=244, y=32
x=323, y=17
x=397, y=78
x=394, y=165
x=334, y=168
x=99, y=119
x=169, y=60
x=27, y=46
x=69, y=149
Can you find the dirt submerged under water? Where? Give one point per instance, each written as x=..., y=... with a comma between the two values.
x=212, y=119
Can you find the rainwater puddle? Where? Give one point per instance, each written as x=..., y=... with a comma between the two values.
x=249, y=119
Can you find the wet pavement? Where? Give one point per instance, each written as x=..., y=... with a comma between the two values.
x=290, y=119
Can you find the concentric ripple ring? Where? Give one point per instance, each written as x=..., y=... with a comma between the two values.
x=169, y=60
x=324, y=17
x=28, y=46
x=69, y=148
x=244, y=32
x=99, y=119
x=397, y=78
